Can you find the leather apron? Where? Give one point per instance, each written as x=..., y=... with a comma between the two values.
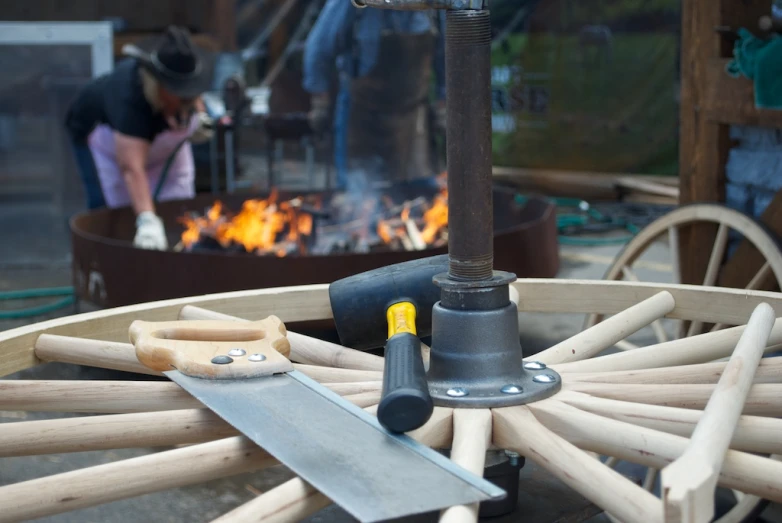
x=388, y=127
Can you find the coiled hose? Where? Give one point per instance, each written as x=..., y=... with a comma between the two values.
x=69, y=298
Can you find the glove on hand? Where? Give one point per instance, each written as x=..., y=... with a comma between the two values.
x=205, y=130
x=319, y=113
x=150, y=233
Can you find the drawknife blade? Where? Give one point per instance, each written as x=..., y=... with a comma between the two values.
x=339, y=448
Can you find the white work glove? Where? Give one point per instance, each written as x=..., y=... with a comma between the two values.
x=150, y=233
x=205, y=129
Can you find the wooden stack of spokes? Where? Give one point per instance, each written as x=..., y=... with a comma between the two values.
x=674, y=406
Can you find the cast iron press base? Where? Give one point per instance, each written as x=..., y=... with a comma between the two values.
x=476, y=357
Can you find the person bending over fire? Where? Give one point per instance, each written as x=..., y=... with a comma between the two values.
x=125, y=126
x=384, y=58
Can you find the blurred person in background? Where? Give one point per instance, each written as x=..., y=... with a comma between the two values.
x=383, y=118
x=128, y=125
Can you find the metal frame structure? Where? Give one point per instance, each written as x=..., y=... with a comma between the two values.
x=98, y=36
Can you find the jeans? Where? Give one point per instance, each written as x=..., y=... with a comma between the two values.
x=89, y=175
x=341, y=119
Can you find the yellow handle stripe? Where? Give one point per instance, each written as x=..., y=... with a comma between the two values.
x=401, y=318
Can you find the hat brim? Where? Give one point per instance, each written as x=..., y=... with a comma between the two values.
x=185, y=88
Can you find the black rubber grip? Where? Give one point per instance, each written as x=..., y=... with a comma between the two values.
x=405, y=404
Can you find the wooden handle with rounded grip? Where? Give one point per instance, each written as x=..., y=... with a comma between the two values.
x=213, y=349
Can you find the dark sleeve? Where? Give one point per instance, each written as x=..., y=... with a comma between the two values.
x=127, y=111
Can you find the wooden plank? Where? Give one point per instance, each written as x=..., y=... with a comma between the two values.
x=731, y=100
x=704, y=144
x=588, y=185
x=747, y=260
x=223, y=23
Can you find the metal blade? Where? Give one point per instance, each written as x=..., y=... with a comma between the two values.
x=338, y=448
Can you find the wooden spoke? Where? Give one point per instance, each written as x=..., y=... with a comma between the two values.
x=132, y=477
x=148, y=429
x=712, y=270
x=764, y=399
x=94, y=396
x=769, y=371
x=625, y=345
x=686, y=351
x=438, y=431
x=753, y=433
x=93, y=353
x=349, y=389
x=303, y=348
x=603, y=335
x=689, y=482
x=471, y=438
x=294, y=500
x=657, y=326
x=758, y=278
x=126, y=396
x=673, y=247
x=515, y=428
x=650, y=479
x=337, y=375
x=746, y=472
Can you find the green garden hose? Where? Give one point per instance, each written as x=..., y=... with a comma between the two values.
x=567, y=221
x=36, y=293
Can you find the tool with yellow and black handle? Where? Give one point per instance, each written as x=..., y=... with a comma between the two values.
x=392, y=307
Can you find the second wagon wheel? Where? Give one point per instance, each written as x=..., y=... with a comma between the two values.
x=745, y=255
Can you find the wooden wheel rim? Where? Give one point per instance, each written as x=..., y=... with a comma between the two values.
x=471, y=431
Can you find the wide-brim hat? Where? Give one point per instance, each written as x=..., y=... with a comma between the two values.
x=175, y=61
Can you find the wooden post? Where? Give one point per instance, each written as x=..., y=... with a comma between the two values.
x=703, y=143
x=224, y=23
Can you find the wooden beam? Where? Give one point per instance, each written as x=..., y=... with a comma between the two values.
x=704, y=143
x=731, y=100
x=224, y=23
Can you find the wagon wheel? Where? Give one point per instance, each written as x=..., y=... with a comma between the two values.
x=768, y=274
x=763, y=270
x=614, y=405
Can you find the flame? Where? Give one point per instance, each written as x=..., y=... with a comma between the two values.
x=280, y=228
x=435, y=220
x=436, y=217
x=257, y=227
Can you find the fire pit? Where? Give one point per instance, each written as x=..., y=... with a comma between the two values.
x=109, y=271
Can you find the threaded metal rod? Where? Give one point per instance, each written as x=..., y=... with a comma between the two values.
x=468, y=99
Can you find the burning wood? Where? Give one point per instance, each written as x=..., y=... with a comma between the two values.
x=269, y=227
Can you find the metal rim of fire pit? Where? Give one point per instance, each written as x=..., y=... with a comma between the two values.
x=109, y=271
x=626, y=405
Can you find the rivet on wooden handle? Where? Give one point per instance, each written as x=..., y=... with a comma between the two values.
x=195, y=347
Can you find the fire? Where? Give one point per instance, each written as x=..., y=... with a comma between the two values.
x=280, y=228
x=256, y=227
x=406, y=231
